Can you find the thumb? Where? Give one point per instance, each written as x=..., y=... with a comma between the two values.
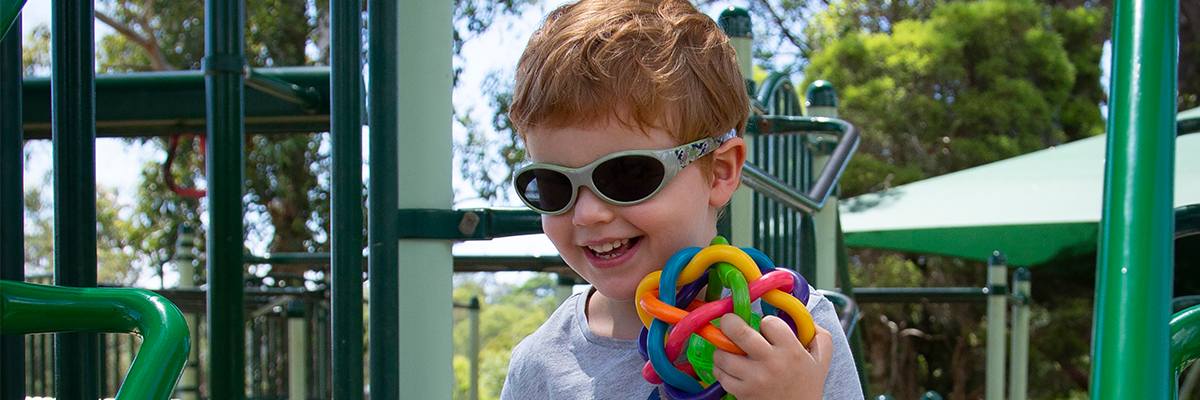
x=821, y=348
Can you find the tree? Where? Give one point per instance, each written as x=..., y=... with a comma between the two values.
x=967, y=84
x=975, y=83
x=508, y=313
x=115, y=256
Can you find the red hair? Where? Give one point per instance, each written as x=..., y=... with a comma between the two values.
x=648, y=63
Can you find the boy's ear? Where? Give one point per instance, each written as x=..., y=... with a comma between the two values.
x=727, y=171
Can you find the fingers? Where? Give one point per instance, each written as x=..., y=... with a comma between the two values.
x=776, y=332
x=744, y=336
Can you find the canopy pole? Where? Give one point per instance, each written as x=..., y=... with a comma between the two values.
x=996, y=325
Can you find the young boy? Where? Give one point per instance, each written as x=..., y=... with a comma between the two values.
x=633, y=110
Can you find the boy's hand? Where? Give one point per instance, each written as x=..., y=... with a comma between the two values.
x=776, y=365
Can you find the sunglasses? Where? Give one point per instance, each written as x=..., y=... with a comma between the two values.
x=623, y=178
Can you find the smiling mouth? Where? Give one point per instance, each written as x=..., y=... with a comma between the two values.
x=613, y=250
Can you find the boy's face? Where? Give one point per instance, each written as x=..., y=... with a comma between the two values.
x=614, y=246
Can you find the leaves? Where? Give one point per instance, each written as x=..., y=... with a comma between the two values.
x=508, y=313
x=974, y=83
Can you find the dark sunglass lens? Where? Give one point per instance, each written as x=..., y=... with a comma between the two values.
x=544, y=189
x=629, y=178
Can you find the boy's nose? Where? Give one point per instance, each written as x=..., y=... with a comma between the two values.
x=590, y=209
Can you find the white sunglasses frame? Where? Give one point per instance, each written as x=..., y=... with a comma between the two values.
x=673, y=159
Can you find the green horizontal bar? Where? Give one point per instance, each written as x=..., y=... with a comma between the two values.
x=467, y=224
x=163, y=103
x=461, y=263
x=866, y=295
x=793, y=124
x=29, y=308
x=1187, y=126
x=307, y=97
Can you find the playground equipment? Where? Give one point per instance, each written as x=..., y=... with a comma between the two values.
x=748, y=274
x=1131, y=344
x=27, y=308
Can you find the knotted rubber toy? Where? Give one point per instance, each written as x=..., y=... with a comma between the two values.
x=749, y=275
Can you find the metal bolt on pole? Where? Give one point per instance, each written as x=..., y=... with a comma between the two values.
x=996, y=324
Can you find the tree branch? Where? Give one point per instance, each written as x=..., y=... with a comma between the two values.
x=158, y=61
x=787, y=33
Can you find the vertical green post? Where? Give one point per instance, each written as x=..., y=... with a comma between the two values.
x=12, y=207
x=224, y=63
x=737, y=223
x=383, y=199
x=996, y=325
x=73, y=82
x=820, y=100
x=1018, y=379
x=424, y=158
x=346, y=200
x=1130, y=353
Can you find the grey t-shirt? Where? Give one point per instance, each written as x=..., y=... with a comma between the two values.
x=563, y=359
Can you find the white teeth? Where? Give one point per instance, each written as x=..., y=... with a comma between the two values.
x=607, y=247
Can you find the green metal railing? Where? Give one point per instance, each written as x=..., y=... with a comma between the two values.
x=28, y=308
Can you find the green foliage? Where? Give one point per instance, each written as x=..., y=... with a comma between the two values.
x=115, y=255
x=508, y=313
x=974, y=83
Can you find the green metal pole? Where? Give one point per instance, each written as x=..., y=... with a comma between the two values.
x=76, y=355
x=1018, y=379
x=10, y=16
x=424, y=158
x=1130, y=351
x=224, y=65
x=383, y=200
x=346, y=200
x=12, y=227
x=996, y=325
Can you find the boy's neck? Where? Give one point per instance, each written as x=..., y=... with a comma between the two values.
x=612, y=318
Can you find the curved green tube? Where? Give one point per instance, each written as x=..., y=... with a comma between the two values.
x=28, y=308
x=1185, y=338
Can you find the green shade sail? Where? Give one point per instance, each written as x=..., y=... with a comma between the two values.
x=1033, y=207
